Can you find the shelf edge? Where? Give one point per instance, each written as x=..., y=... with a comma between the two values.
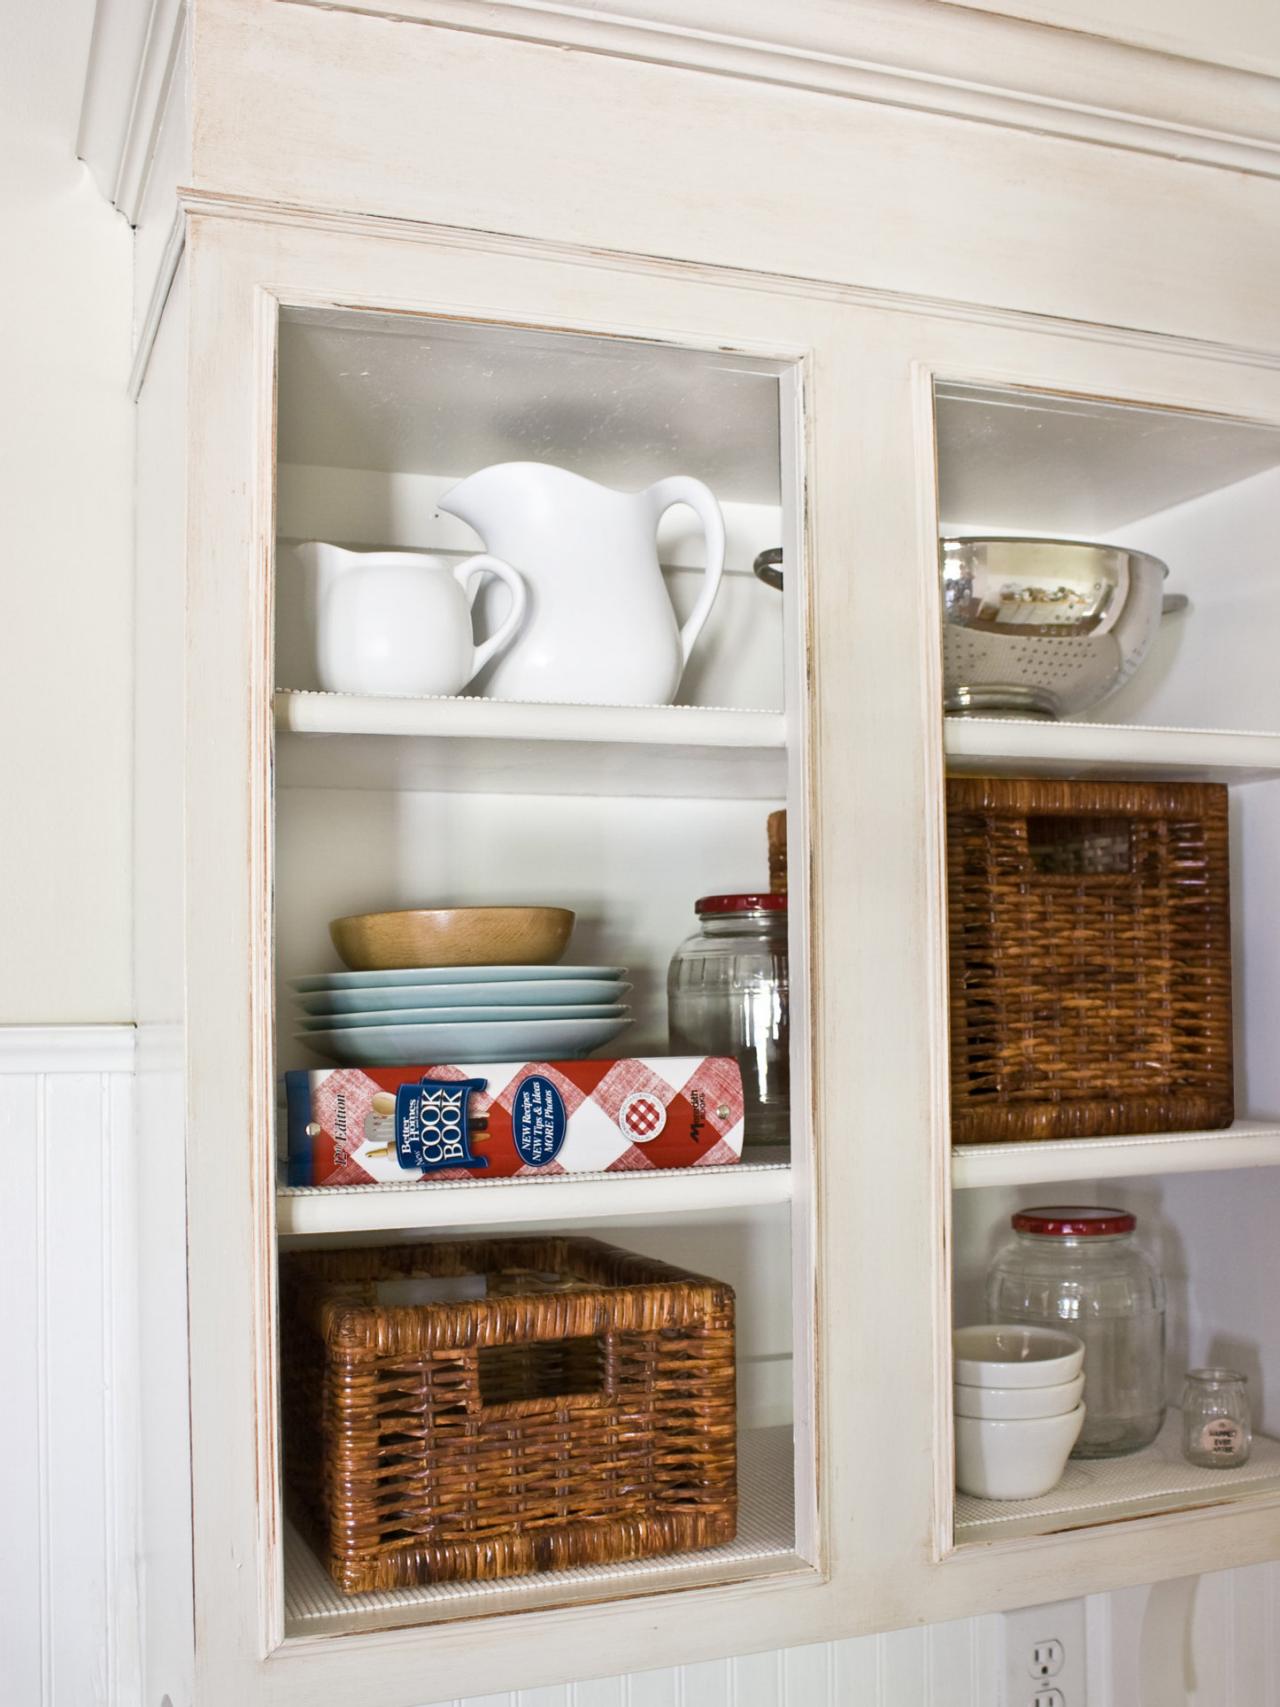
x=429, y=1208
x=1241, y=753
x=303, y=712
x=1247, y=1144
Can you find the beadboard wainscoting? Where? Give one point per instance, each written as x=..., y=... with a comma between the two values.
x=68, y=1471
x=72, y=1565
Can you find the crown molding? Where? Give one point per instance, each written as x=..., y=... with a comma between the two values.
x=938, y=58
x=925, y=55
x=134, y=55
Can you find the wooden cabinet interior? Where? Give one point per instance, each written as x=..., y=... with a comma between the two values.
x=380, y=415
x=625, y=816
x=1202, y=493
x=416, y=802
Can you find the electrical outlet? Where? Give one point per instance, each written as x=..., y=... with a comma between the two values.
x=1047, y=1659
x=1044, y=1656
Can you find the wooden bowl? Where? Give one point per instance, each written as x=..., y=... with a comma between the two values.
x=452, y=936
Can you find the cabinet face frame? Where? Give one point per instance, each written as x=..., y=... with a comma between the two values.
x=880, y=1180
x=239, y=277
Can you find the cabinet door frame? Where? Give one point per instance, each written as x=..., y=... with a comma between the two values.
x=879, y=1182
x=240, y=274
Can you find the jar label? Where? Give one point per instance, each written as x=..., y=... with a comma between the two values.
x=1221, y=1438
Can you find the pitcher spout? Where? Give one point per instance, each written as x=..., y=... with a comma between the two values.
x=512, y=492
x=466, y=499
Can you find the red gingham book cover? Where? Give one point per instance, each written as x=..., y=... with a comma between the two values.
x=376, y=1125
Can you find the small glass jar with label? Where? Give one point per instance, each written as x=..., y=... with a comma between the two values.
x=1216, y=1431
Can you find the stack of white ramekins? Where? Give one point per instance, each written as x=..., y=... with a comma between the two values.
x=1017, y=1408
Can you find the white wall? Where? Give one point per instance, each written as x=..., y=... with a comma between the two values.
x=66, y=487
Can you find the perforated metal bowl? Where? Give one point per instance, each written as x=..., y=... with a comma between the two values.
x=1038, y=627
x=1044, y=627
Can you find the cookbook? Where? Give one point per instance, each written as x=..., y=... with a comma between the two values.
x=349, y=1126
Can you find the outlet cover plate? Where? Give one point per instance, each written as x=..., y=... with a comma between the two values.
x=1044, y=1652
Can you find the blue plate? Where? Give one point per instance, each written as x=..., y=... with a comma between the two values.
x=449, y=975
x=519, y=993
x=424, y=1045
x=464, y=1016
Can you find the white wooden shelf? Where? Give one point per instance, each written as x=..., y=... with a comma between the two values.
x=329, y=740
x=1110, y=1490
x=764, y=1546
x=1246, y=1144
x=1020, y=745
x=696, y=1192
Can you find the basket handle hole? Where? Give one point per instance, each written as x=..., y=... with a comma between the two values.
x=542, y=1369
x=1059, y=845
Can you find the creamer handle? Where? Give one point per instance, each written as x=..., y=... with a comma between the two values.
x=483, y=564
x=684, y=489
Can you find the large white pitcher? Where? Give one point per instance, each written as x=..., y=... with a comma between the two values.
x=599, y=628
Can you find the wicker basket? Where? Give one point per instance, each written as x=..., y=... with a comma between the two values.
x=777, y=832
x=578, y=1408
x=1090, y=958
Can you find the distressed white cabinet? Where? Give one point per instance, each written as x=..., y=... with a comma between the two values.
x=407, y=246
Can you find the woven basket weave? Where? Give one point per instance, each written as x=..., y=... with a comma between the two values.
x=1090, y=939
x=581, y=1411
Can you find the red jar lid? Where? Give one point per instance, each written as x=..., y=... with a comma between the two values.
x=1074, y=1221
x=770, y=901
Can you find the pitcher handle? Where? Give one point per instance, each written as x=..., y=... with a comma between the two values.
x=684, y=489
x=483, y=564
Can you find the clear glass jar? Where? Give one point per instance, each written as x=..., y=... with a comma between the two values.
x=1081, y=1268
x=1217, y=1429
x=727, y=995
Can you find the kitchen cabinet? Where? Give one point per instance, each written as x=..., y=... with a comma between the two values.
x=347, y=330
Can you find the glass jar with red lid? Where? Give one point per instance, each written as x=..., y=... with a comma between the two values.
x=727, y=995
x=1080, y=1267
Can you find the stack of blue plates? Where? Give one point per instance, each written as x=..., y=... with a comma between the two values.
x=432, y=1014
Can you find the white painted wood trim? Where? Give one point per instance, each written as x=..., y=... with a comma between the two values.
x=161, y=61
x=907, y=53
x=135, y=52
x=210, y=204
x=67, y=1048
x=166, y=273
x=69, y=1469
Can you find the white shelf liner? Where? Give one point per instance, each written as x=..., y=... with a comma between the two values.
x=765, y=1542
x=1096, y=1490
x=422, y=1205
